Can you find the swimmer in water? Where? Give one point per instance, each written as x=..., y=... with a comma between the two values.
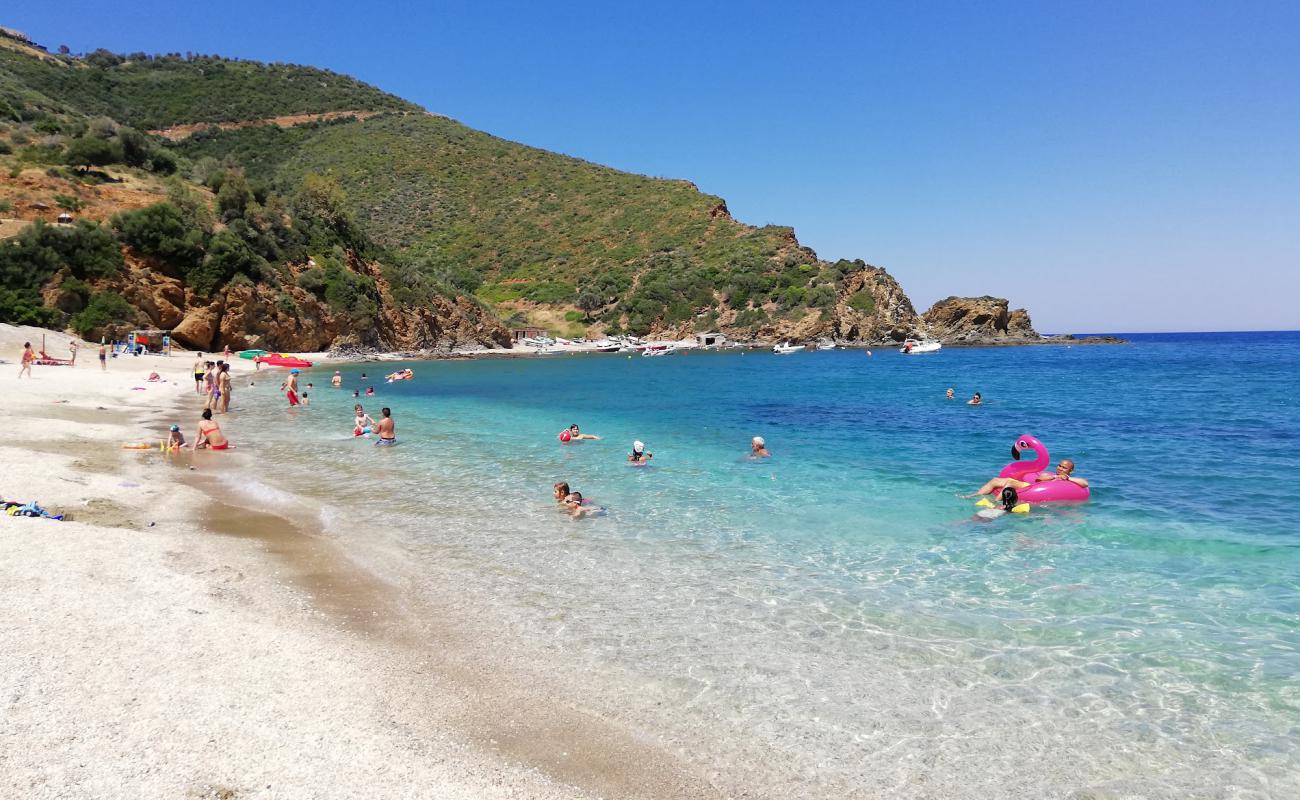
x=370, y=391
x=337, y=380
x=573, y=506
x=638, y=457
x=976, y=400
x=1064, y=468
x=561, y=490
x=576, y=434
x=951, y=394
x=1010, y=499
x=758, y=448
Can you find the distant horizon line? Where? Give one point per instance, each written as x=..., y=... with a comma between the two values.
x=1131, y=333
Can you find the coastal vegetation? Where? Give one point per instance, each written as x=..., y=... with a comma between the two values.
x=441, y=211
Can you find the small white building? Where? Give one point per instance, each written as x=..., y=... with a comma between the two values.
x=710, y=340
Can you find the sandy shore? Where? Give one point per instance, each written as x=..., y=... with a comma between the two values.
x=163, y=643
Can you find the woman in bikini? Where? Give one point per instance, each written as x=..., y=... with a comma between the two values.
x=210, y=436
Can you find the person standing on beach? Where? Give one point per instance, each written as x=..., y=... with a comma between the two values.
x=386, y=428
x=223, y=387
x=290, y=387
x=28, y=358
x=103, y=357
x=200, y=367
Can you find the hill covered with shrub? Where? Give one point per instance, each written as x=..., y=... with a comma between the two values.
x=433, y=210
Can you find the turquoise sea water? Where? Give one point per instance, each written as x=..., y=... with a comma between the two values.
x=835, y=615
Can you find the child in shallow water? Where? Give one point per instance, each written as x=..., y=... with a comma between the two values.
x=638, y=457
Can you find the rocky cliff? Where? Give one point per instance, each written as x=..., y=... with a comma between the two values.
x=285, y=317
x=978, y=320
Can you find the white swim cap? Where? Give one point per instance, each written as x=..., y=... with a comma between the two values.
x=637, y=447
x=758, y=440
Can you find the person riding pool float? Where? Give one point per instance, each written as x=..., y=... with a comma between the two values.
x=573, y=434
x=639, y=457
x=1032, y=482
x=401, y=375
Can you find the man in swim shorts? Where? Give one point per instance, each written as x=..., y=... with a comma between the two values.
x=386, y=428
x=290, y=387
x=1064, y=468
x=103, y=358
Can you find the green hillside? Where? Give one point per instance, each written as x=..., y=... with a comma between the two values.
x=448, y=210
x=511, y=222
x=156, y=91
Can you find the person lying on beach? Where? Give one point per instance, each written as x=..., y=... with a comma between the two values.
x=386, y=428
x=175, y=439
x=363, y=423
x=638, y=457
x=758, y=448
x=561, y=490
x=976, y=400
x=210, y=436
x=574, y=434
x=1063, y=469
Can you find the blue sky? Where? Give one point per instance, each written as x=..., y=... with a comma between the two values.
x=1108, y=165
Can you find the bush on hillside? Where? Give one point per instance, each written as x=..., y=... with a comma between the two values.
x=162, y=232
x=104, y=308
x=91, y=151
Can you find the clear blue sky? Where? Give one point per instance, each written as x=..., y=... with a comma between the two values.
x=1108, y=165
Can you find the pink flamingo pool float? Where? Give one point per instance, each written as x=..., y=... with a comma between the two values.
x=1044, y=491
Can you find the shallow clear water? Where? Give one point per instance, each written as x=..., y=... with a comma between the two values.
x=835, y=611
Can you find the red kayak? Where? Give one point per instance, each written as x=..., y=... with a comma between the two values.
x=284, y=361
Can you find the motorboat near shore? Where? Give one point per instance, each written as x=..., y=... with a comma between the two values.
x=658, y=350
x=785, y=348
x=912, y=347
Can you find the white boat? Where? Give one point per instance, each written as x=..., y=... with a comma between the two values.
x=785, y=347
x=826, y=345
x=912, y=347
x=659, y=350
